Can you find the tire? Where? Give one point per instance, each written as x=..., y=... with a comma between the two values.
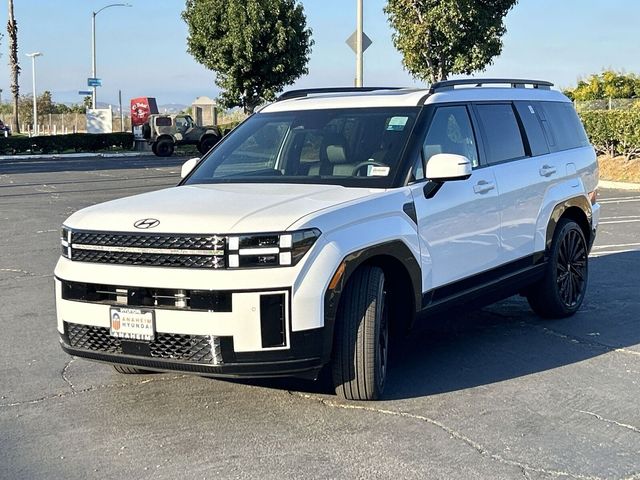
x=164, y=148
x=561, y=292
x=207, y=143
x=153, y=148
x=125, y=370
x=360, y=351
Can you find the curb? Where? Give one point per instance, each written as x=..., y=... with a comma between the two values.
x=76, y=155
x=618, y=185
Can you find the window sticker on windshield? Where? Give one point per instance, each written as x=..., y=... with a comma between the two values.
x=377, y=171
x=397, y=124
x=531, y=109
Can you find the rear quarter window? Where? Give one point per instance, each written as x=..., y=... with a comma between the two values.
x=564, y=128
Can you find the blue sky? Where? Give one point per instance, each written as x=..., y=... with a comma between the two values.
x=142, y=50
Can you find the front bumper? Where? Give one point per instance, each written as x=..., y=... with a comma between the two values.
x=303, y=361
x=244, y=333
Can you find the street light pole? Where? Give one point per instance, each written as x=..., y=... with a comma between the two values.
x=94, y=98
x=359, y=46
x=35, y=98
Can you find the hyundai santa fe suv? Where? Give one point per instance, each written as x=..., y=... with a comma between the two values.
x=329, y=219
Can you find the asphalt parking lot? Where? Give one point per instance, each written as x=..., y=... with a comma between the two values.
x=497, y=394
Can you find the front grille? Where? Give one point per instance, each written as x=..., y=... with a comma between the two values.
x=155, y=250
x=188, y=242
x=148, y=259
x=168, y=346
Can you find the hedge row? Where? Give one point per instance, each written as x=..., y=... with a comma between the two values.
x=614, y=132
x=78, y=142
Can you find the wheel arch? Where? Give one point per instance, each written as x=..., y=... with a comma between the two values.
x=577, y=209
x=165, y=136
x=399, y=265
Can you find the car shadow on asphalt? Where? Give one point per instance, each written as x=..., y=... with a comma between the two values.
x=506, y=340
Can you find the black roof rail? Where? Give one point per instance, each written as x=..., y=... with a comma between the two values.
x=315, y=91
x=479, y=82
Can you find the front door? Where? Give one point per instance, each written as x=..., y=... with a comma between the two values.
x=459, y=227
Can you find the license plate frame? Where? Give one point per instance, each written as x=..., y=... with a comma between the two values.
x=133, y=324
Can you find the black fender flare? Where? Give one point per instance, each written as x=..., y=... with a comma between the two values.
x=580, y=202
x=397, y=250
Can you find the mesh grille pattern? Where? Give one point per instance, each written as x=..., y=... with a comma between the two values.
x=185, y=242
x=169, y=346
x=149, y=259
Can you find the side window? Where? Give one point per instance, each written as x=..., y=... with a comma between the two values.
x=450, y=132
x=528, y=113
x=566, y=130
x=502, y=132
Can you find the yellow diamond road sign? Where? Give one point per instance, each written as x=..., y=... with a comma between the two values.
x=366, y=41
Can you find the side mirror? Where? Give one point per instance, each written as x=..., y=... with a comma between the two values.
x=188, y=166
x=447, y=167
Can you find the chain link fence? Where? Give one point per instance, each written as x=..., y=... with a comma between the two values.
x=63, y=123
x=608, y=104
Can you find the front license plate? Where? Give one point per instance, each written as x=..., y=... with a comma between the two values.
x=133, y=324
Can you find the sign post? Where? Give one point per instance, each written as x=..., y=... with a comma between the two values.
x=359, y=42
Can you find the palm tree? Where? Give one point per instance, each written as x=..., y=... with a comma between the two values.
x=12, y=29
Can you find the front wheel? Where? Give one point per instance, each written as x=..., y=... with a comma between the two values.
x=164, y=148
x=561, y=292
x=360, y=351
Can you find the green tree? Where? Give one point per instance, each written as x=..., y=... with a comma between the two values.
x=438, y=38
x=608, y=84
x=255, y=47
x=45, y=103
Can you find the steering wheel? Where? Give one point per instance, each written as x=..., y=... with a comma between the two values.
x=359, y=166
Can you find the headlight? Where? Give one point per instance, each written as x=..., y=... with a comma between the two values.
x=270, y=249
x=65, y=240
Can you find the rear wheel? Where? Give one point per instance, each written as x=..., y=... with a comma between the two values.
x=207, y=143
x=126, y=370
x=561, y=292
x=360, y=352
x=164, y=148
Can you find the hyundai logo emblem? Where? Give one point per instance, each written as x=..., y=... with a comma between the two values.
x=146, y=223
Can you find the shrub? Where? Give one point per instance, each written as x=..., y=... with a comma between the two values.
x=77, y=142
x=615, y=132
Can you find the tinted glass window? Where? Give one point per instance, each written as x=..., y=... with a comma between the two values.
x=566, y=130
x=528, y=112
x=342, y=146
x=502, y=132
x=163, y=121
x=451, y=132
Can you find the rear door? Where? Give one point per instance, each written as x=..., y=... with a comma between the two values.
x=522, y=167
x=459, y=226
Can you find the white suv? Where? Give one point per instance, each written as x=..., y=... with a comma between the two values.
x=330, y=219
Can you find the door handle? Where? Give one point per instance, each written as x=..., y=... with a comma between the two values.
x=483, y=187
x=547, y=170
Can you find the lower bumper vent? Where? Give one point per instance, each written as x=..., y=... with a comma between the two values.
x=168, y=346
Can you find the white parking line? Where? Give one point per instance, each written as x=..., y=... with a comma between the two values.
x=611, y=252
x=626, y=200
x=620, y=221
x=619, y=217
x=608, y=199
x=620, y=245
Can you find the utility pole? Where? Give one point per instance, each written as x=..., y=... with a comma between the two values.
x=94, y=99
x=359, y=45
x=93, y=58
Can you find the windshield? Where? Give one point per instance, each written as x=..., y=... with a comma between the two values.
x=351, y=147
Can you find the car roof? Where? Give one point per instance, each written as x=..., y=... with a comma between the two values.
x=409, y=97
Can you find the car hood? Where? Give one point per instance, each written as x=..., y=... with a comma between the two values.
x=219, y=208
